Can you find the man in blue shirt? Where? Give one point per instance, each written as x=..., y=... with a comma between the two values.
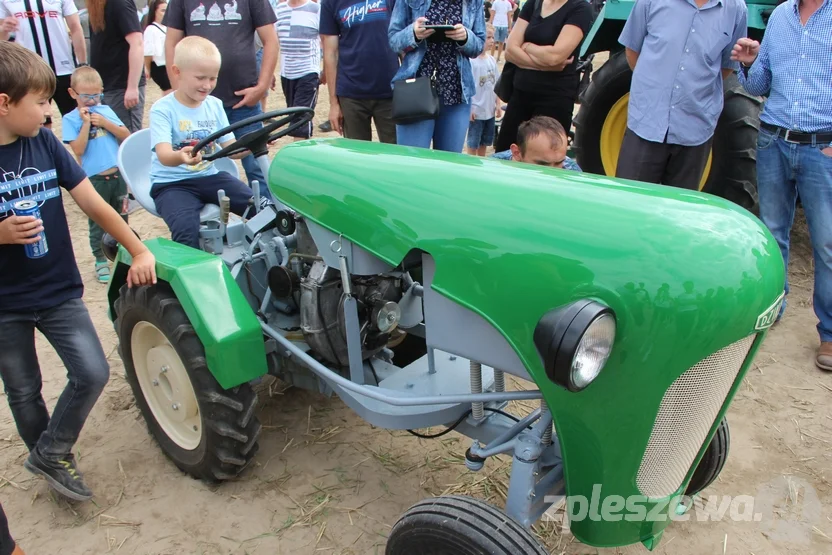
x=793, y=68
x=541, y=141
x=677, y=50
x=359, y=66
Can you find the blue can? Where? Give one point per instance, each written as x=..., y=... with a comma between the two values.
x=30, y=208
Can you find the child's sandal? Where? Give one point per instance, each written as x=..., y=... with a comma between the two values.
x=102, y=270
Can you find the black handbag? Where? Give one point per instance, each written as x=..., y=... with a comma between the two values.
x=504, y=87
x=415, y=100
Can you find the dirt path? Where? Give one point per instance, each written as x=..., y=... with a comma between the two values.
x=326, y=482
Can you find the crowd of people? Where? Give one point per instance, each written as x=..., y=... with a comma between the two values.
x=377, y=59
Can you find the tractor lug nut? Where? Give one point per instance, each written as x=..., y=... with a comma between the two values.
x=156, y=382
x=175, y=406
x=165, y=369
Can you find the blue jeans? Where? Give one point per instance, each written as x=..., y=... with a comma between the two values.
x=785, y=170
x=481, y=133
x=69, y=329
x=250, y=165
x=447, y=132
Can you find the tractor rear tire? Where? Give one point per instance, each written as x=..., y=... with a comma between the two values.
x=733, y=171
x=713, y=461
x=457, y=525
x=209, y=433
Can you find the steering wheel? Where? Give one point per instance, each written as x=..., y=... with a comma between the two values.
x=258, y=140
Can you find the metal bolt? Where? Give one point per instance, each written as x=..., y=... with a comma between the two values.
x=165, y=369
x=196, y=429
x=452, y=357
x=156, y=382
x=175, y=406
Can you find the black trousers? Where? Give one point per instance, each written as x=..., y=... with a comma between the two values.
x=662, y=163
x=7, y=544
x=524, y=105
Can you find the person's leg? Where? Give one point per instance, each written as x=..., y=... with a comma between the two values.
x=21, y=376
x=419, y=134
x=487, y=139
x=137, y=113
x=250, y=165
x=686, y=165
x=559, y=108
x=641, y=160
x=305, y=95
x=237, y=192
x=358, y=115
x=519, y=109
x=114, y=98
x=7, y=544
x=777, y=194
x=814, y=185
x=474, y=139
x=451, y=127
x=383, y=118
x=96, y=232
x=179, y=205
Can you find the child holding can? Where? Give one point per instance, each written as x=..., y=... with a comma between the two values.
x=42, y=289
x=94, y=132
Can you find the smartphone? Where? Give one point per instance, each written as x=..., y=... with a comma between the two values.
x=440, y=27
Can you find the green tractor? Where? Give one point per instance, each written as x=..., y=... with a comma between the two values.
x=601, y=121
x=413, y=284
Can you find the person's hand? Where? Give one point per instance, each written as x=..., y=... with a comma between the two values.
x=188, y=158
x=143, y=270
x=146, y=73
x=322, y=80
x=20, y=230
x=97, y=119
x=562, y=65
x=827, y=151
x=9, y=25
x=131, y=97
x=745, y=51
x=274, y=83
x=336, y=118
x=459, y=34
x=499, y=113
x=472, y=116
x=419, y=30
x=85, y=115
x=251, y=96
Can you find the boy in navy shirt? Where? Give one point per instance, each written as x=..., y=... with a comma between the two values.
x=182, y=183
x=94, y=133
x=45, y=293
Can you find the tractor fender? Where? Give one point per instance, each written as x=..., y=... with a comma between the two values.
x=607, y=27
x=215, y=305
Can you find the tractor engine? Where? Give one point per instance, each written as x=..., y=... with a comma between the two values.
x=322, y=315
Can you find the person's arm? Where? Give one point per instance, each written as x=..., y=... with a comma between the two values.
x=632, y=58
x=172, y=38
x=634, y=32
x=8, y=23
x=252, y=95
x=135, y=69
x=470, y=41
x=491, y=14
x=755, y=67
x=401, y=33
x=118, y=130
x=78, y=142
x=330, y=44
x=514, y=46
x=76, y=34
x=730, y=66
x=554, y=57
x=143, y=268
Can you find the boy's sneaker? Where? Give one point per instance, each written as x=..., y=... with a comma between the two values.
x=63, y=476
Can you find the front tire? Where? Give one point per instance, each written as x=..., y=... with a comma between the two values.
x=457, y=525
x=731, y=172
x=208, y=432
x=712, y=462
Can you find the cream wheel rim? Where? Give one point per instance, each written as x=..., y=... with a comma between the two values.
x=166, y=385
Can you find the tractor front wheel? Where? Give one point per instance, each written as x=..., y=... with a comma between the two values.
x=457, y=525
x=731, y=171
x=208, y=432
x=713, y=461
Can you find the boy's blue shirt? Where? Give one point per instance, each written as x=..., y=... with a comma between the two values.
x=37, y=168
x=174, y=123
x=102, y=147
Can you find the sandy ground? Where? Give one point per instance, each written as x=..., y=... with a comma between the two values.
x=326, y=482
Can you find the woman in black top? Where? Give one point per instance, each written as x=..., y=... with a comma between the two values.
x=544, y=46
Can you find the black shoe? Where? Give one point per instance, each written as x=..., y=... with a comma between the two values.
x=326, y=127
x=62, y=476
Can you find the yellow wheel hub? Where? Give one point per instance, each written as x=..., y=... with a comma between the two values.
x=166, y=385
x=612, y=134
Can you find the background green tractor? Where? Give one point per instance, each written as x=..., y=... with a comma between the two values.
x=731, y=172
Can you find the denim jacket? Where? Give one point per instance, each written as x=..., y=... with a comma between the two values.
x=403, y=41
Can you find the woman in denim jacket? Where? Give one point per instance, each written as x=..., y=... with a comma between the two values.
x=448, y=54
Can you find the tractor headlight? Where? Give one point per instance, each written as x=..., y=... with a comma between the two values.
x=575, y=342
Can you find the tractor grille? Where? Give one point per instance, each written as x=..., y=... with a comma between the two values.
x=687, y=412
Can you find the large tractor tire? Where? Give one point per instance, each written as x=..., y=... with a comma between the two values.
x=713, y=461
x=208, y=432
x=731, y=172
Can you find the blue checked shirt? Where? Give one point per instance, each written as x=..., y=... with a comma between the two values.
x=676, y=92
x=794, y=70
x=568, y=163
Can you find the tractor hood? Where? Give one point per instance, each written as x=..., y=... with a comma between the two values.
x=692, y=279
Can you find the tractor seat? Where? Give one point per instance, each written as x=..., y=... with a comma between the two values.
x=134, y=163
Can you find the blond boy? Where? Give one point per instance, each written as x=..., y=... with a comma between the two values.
x=182, y=182
x=94, y=133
